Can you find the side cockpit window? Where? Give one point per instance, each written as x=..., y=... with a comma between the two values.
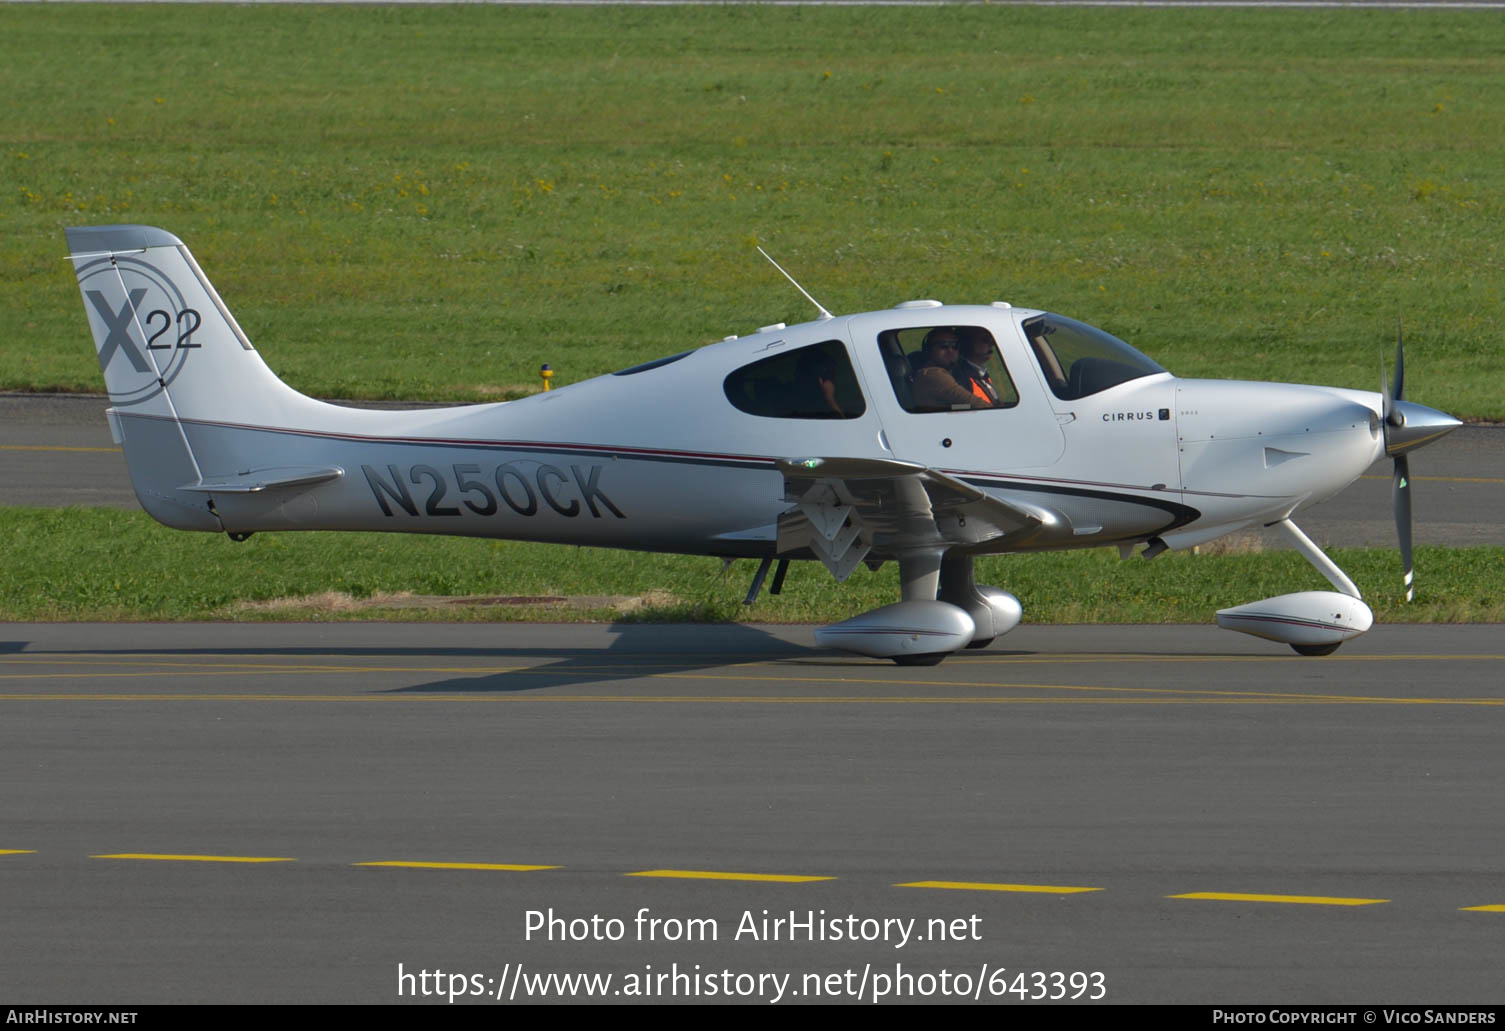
x=946, y=369
x=1079, y=360
x=815, y=382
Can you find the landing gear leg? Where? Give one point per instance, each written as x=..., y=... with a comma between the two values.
x=920, y=575
x=1313, y=554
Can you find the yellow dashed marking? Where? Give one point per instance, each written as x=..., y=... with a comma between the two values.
x=516, y=867
x=772, y=878
x=1035, y=889
x=168, y=857
x=787, y=672
x=54, y=447
x=1442, y=479
x=714, y=875
x=1111, y=658
x=1304, y=900
x=747, y=700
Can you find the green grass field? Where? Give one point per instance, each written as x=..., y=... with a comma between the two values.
x=429, y=202
x=98, y=564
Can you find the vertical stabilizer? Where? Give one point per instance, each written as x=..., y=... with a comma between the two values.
x=171, y=354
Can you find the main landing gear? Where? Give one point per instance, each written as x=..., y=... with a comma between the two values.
x=943, y=610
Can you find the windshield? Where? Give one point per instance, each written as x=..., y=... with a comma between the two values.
x=1079, y=359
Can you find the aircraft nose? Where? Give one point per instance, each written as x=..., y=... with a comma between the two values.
x=1411, y=426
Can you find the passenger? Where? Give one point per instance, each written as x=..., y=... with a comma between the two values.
x=936, y=386
x=815, y=388
x=972, y=371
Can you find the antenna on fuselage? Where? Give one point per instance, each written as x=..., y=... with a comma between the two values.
x=818, y=306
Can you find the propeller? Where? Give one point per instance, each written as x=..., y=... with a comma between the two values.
x=1400, y=484
x=1400, y=493
x=1406, y=426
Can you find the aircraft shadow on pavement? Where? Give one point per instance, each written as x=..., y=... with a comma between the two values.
x=636, y=650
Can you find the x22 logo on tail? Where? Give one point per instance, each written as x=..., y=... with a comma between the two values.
x=144, y=326
x=156, y=323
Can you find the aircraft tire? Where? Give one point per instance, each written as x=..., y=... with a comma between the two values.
x=1315, y=649
x=982, y=644
x=932, y=659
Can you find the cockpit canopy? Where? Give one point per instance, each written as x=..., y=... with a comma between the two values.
x=1079, y=360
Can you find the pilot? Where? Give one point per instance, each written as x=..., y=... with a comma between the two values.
x=972, y=370
x=936, y=381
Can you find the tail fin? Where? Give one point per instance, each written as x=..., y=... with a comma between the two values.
x=166, y=342
x=171, y=353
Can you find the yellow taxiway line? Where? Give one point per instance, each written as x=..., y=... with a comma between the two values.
x=1034, y=889
x=1443, y=479
x=54, y=447
x=168, y=857
x=1300, y=900
x=513, y=867
x=717, y=875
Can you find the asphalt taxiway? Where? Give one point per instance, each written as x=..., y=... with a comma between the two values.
x=189, y=813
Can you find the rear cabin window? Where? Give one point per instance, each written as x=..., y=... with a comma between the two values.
x=946, y=369
x=815, y=382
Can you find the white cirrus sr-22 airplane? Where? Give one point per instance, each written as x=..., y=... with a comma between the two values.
x=925, y=434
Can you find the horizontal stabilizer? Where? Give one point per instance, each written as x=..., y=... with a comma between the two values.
x=766, y=532
x=255, y=481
